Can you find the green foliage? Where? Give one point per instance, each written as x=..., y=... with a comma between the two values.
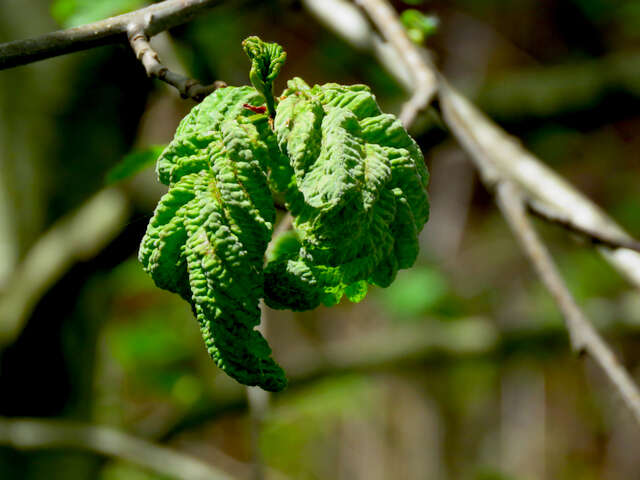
x=306, y=421
x=133, y=163
x=71, y=13
x=353, y=179
x=419, y=26
x=416, y=292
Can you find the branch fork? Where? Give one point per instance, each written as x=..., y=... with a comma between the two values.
x=141, y=46
x=520, y=180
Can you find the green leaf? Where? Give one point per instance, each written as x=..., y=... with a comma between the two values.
x=133, y=163
x=352, y=178
x=207, y=238
x=358, y=195
x=266, y=61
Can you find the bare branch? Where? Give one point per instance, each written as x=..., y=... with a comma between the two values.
x=424, y=78
x=187, y=87
x=517, y=175
x=584, y=338
x=156, y=18
x=594, y=236
x=28, y=434
x=496, y=155
x=499, y=156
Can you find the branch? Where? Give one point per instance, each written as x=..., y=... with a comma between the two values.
x=496, y=155
x=518, y=176
x=433, y=344
x=499, y=156
x=606, y=239
x=584, y=338
x=423, y=74
x=144, y=52
x=27, y=434
x=156, y=18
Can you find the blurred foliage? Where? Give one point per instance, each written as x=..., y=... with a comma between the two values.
x=309, y=419
x=71, y=13
x=134, y=163
x=419, y=26
x=415, y=292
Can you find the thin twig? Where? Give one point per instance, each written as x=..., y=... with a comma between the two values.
x=257, y=398
x=29, y=434
x=505, y=165
x=188, y=87
x=495, y=153
x=424, y=78
x=499, y=156
x=162, y=16
x=584, y=338
x=258, y=405
x=594, y=236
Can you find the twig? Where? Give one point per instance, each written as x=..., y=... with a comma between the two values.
x=424, y=78
x=596, y=237
x=135, y=28
x=517, y=175
x=431, y=344
x=258, y=405
x=188, y=87
x=498, y=156
x=584, y=338
x=162, y=16
x=28, y=434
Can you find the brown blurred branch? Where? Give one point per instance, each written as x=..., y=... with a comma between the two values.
x=518, y=177
x=29, y=434
x=496, y=155
x=596, y=237
x=584, y=338
x=156, y=18
x=423, y=74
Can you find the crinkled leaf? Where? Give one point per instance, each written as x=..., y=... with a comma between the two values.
x=358, y=196
x=266, y=61
x=350, y=175
x=209, y=233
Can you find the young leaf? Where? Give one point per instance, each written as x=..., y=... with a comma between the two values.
x=352, y=178
x=266, y=61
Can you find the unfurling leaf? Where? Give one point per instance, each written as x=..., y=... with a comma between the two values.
x=352, y=178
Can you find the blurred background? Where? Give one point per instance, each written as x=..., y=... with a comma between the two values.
x=460, y=370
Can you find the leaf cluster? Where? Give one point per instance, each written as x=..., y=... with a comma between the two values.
x=352, y=178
